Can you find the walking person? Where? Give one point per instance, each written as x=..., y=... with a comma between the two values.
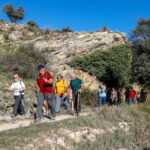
x=61, y=93
x=18, y=88
x=113, y=97
x=132, y=96
x=46, y=92
x=102, y=95
x=76, y=85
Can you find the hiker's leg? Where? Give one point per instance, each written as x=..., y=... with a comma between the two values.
x=65, y=102
x=75, y=101
x=104, y=100
x=21, y=107
x=49, y=98
x=16, y=104
x=99, y=101
x=72, y=105
x=39, y=105
x=58, y=103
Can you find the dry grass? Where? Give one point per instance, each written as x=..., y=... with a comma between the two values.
x=37, y=135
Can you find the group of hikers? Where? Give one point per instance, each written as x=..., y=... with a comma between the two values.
x=46, y=92
x=68, y=95
x=112, y=96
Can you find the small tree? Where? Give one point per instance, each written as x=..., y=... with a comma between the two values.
x=66, y=29
x=14, y=14
x=140, y=38
x=32, y=23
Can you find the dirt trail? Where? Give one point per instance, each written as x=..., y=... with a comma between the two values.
x=8, y=123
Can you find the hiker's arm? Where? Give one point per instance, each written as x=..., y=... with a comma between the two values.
x=50, y=81
x=8, y=88
x=37, y=88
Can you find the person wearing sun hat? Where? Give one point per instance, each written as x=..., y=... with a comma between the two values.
x=61, y=93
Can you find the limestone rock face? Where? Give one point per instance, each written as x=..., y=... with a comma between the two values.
x=1, y=39
x=61, y=48
x=16, y=35
x=65, y=47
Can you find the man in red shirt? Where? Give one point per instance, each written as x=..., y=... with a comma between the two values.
x=45, y=91
x=132, y=95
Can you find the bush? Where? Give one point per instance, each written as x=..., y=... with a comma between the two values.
x=22, y=61
x=89, y=97
x=66, y=29
x=112, y=66
x=32, y=23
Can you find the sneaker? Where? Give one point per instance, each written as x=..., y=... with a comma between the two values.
x=12, y=116
x=52, y=118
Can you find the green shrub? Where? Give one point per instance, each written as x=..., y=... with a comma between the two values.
x=112, y=66
x=32, y=23
x=89, y=97
x=66, y=29
x=22, y=61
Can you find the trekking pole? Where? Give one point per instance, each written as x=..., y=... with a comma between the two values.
x=23, y=101
x=78, y=102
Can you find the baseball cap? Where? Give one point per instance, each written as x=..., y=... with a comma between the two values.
x=39, y=67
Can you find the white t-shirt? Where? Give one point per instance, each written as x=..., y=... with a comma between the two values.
x=17, y=87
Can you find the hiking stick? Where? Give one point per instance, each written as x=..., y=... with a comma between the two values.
x=78, y=100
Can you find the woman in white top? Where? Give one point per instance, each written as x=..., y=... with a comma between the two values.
x=18, y=88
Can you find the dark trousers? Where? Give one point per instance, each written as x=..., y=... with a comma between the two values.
x=18, y=107
x=77, y=101
x=41, y=98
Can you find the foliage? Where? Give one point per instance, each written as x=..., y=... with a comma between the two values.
x=14, y=14
x=22, y=61
x=140, y=37
x=1, y=21
x=66, y=29
x=104, y=29
x=32, y=23
x=89, y=97
x=111, y=66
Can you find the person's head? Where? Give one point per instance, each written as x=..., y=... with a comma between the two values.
x=40, y=68
x=100, y=84
x=131, y=88
x=16, y=77
x=59, y=77
x=73, y=76
x=113, y=89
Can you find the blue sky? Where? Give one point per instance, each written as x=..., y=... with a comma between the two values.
x=83, y=15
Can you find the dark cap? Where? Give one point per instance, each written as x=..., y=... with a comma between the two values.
x=39, y=67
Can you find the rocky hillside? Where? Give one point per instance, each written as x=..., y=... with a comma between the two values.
x=61, y=47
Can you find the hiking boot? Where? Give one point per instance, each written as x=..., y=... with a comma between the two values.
x=37, y=120
x=12, y=116
x=77, y=114
x=52, y=118
x=72, y=113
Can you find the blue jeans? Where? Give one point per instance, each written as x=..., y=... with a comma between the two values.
x=101, y=101
x=18, y=106
x=61, y=100
x=41, y=98
x=132, y=101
